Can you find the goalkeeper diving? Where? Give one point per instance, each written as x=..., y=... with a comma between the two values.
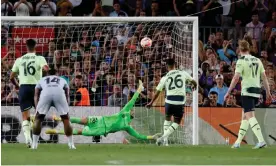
x=103, y=125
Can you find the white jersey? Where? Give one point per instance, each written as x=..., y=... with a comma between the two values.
x=52, y=94
x=52, y=85
x=175, y=84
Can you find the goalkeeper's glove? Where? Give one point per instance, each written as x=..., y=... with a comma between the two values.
x=155, y=136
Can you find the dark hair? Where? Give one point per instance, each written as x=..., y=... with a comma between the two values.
x=52, y=71
x=214, y=93
x=255, y=12
x=79, y=77
x=31, y=44
x=170, y=61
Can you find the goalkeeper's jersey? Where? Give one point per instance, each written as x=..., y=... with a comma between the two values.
x=174, y=83
x=117, y=122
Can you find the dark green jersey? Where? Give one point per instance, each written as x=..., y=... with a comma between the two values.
x=102, y=125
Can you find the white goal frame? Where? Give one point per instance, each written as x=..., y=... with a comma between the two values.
x=194, y=21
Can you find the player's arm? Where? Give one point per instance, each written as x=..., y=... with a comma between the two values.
x=265, y=82
x=136, y=135
x=44, y=65
x=131, y=102
x=38, y=89
x=191, y=80
x=159, y=89
x=236, y=78
x=15, y=70
x=77, y=98
x=67, y=91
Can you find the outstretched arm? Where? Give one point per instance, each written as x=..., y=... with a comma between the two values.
x=135, y=134
x=131, y=102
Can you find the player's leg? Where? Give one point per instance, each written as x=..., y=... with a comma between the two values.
x=178, y=114
x=62, y=107
x=243, y=129
x=77, y=120
x=26, y=97
x=37, y=129
x=250, y=116
x=62, y=132
x=42, y=108
x=167, y=123
x=68, y=130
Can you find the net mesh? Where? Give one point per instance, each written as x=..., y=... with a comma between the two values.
x=111, y=61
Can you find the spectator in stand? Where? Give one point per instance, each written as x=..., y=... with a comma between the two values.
x=117, y=99
x=46, y=8
x=5, y=90
x=264, y=58
x=9, y=59
x=200, y=99
x=154, y=9
x=226, y=53
x=8, y=47
x=272, y=47
x=273, y=93
x=82, y=97
x=98, y=10
x=212, y=17
x=265, y=37
x=23, y=8
x=226, y=18
x=212, y=100
x=49, y=56
x=138, y=7
x=272, y=23
x=255, y=27
x=213, y=61
x=231, y=101
x=6, y=8
x=237, y=32
x=220, y=88
x=117, y=9
x=75, y=52
x=182, y=8
x=189, y=98
x=130, y=84
x=57, y=59
x=143, y=13
x=64, y=8
x=261, y=7
x=270, y=71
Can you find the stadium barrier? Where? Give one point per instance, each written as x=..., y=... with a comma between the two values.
x=216, y=125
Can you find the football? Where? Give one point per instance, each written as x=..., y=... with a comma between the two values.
x=146, y=42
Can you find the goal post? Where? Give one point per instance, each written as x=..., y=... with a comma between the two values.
x=183, y=44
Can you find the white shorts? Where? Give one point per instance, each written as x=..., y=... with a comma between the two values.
x=56, y=100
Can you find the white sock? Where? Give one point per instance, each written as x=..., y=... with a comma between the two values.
x=170, y=130
x=243, y=129
x=165, y=127
x=35, y=141
x=27, y=131
x=256, y=129
x=70, y=140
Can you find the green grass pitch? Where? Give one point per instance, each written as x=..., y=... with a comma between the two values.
x=119, y=154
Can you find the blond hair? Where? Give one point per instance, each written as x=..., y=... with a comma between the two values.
x=244, y=46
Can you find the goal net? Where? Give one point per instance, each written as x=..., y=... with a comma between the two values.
x=106, y=52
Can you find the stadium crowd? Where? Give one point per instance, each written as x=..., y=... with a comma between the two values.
x=103, y=68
